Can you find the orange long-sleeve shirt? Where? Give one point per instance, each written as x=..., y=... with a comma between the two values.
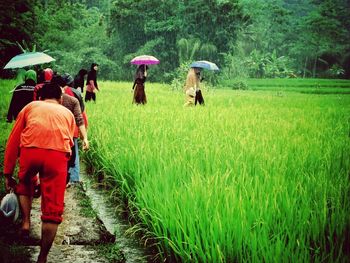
x=41, y=124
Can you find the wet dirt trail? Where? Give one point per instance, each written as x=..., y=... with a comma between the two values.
x=77, y=235
x=129, y=247
x=82, y=237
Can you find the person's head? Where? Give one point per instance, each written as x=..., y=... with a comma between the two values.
x=142, y=68
x=40, y=76
x=30, y=75
x=68, y=79
x=51, y=91
x=140, y=72
x=197, y=70
x=57, y=79
x=82, y=72
x=48, y=74
x=94, y=66
x=198, y=73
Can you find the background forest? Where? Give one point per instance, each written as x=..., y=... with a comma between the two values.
x=245, y=38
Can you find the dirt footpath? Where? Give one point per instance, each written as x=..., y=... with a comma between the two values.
x=81, y=237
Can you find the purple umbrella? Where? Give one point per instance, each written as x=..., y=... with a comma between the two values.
x=144, y=60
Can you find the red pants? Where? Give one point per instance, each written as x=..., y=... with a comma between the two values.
x=52, y=168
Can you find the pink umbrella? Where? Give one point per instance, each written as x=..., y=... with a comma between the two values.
x=144, y=60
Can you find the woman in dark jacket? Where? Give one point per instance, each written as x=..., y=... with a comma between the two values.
x=91, y=83
x=139, y=91
x=22, y=95
x=79, y=80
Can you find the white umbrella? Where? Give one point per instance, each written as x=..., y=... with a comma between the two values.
x=28, y=59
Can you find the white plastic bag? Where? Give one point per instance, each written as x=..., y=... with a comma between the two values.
x=10, y=207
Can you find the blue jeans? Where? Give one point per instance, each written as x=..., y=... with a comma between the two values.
x=75, y=171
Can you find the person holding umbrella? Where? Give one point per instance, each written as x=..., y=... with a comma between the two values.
x=139, y=85
x=192, y=88
x=140, y=77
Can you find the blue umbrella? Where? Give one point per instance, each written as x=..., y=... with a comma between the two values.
x=204, y=64
x=28, y=59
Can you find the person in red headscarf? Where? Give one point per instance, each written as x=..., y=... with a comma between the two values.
x=44, y=77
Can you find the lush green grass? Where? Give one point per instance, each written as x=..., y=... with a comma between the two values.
x=338, y=83
x=252, y=176
x=315, y=86
x=6, y=86
x=8, y=253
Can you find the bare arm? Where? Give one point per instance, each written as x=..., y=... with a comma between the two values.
x=83, y=135
x=12, y=151
x=133, y=86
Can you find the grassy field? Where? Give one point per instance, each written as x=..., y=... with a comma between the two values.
x=309, y=86
x=8, y=253
x=6, y=87
x=252, y=176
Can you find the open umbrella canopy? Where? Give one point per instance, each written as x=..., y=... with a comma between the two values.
x=28, y=59
x=204, y=64
x=144, y=60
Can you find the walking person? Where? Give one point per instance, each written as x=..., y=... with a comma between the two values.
x=192, y=88
x=42, y=137
x=79, y=80
x=69, y=97
x=71, y=103
x=22, y=95
x=91, y=83
x=139, y=85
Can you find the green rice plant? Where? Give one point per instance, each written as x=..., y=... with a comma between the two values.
x=308, y=86
x=6, y=86
x=252, y=176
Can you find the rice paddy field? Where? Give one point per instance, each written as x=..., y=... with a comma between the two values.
x=257, y=176
x=5, y=128
x=260, y=175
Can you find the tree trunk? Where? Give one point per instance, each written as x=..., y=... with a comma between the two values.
x=305, y=65
x=314, y=68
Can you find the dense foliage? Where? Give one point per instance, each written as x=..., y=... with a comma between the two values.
x=255, y=38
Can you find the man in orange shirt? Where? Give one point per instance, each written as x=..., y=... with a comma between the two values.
x=42, y=137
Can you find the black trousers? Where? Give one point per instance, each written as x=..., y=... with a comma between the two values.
x=199, y=98
x=90, y=95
